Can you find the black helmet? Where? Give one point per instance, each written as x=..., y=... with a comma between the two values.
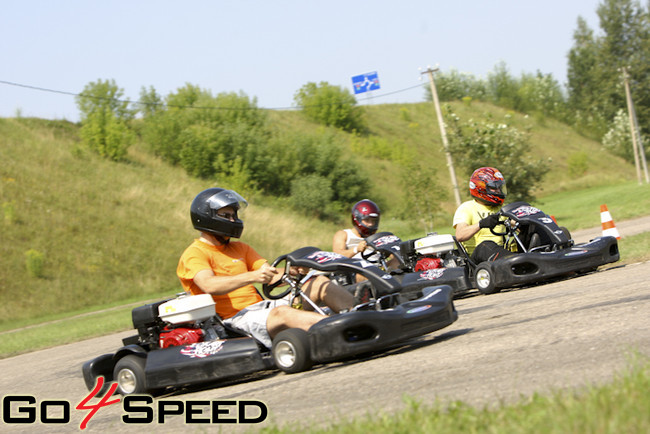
x=204, y=212
x=365, y=210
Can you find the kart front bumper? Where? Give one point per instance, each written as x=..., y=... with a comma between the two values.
x=360, y=332
x=525, y=268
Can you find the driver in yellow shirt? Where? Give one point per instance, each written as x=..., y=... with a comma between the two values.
x=474, y=219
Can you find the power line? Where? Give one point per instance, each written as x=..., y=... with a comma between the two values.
x=43, y=89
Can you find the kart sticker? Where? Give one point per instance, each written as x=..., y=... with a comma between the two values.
x=322, y=257
x=524, y=211
x=418, y=309
x=576, y=253
x=431, y=274
x=203, y=349
x=385, y=240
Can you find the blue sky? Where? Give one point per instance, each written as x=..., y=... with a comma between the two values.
x=270, y=49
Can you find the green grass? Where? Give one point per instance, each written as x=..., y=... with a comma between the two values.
x=620, y=406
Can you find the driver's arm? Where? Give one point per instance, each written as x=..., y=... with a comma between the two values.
x=338, y=245
x=464, y=231
x=218, y=285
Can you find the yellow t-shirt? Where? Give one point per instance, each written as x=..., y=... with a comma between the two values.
x=226, y=260
x=471, y=212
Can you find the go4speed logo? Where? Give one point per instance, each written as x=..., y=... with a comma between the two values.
x=137, y=409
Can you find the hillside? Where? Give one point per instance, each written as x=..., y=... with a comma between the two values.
x=111, y=232
x=415, y=126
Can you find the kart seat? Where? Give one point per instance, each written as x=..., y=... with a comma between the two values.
x=535, y=241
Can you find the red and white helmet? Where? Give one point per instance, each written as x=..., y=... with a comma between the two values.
x=488, y=185
x=369, y=211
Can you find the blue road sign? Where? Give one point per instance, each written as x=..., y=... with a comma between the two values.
x=365, y=82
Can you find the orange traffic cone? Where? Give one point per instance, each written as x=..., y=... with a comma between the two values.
x=609, y=228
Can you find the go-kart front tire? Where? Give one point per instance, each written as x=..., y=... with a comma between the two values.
x=130, y=376
x=484, y=279
x=291, y=351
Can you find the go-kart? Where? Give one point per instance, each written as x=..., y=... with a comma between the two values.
x=544, y=251
x=181, y=342
x=434, y=259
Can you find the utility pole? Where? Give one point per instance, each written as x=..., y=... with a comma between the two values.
x=443, y=134
x=639, y=152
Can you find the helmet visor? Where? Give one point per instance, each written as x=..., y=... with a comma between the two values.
x=227, y=198
x=497, y=188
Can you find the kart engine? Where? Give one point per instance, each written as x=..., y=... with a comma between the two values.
x=171, y=337
x=427, y=263
x=429, y=252
x=181, y=321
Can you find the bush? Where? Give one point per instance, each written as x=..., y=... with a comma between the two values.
x=618, y=139
x=311, y=194
x=331, y=106
x=9, y=212
x=34, y=263
x=577, y=164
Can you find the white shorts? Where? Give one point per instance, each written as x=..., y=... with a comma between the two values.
x=252, y=319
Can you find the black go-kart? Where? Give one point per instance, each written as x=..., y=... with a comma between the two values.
x=544, y=251
x=182, y=342
x=436, y=259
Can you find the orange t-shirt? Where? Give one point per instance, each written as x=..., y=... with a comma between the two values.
x=226, y=260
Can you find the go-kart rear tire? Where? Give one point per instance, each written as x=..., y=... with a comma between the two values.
x=484, y=279
x=291, y=351
x=130, y=376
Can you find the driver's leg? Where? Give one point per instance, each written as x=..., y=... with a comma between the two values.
x=489, y=251
x=321, y=289
x=285, y=317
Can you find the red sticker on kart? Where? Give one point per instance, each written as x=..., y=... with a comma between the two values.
x=321, y=257
x=523, y=211
x=431, y=274
x=203, y=349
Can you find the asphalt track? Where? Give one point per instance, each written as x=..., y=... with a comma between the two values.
x=566, y=334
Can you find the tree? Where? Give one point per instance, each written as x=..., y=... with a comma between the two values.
x=541, y=93
x=194, y=128
x=583, y=80
x=150, y=102
x=595, y=80
x=104, y=119
x=330, y=105
x=454, y=85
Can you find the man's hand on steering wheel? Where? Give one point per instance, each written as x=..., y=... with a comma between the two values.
x=265, y=273
x=368, y=251
x=361, y=247
x=489, y=222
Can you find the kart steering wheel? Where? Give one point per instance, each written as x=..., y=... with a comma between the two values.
x=371, y=251
x=267, y=288
x=503, y=223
